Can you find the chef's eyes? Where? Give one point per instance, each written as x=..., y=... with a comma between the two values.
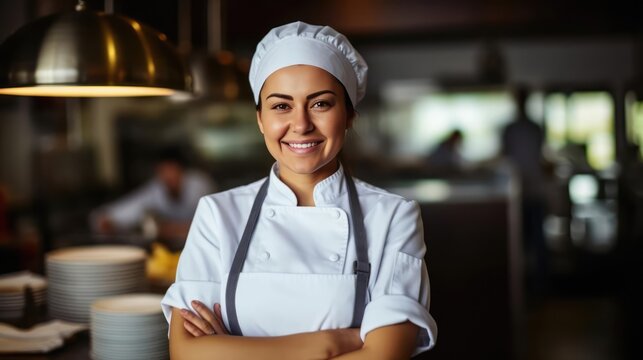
x=319, y=105
x=280, y=107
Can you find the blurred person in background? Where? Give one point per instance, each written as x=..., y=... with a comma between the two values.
x=522, y=145
x=170, y=198
x=446, y=156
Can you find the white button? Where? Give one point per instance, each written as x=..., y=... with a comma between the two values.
x=338, y=214
x=265, y=256
x=270, y=213
x=334, y=257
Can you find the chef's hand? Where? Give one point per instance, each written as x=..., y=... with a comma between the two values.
x=205, y=321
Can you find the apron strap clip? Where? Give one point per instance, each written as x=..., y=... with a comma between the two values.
x=361, y=267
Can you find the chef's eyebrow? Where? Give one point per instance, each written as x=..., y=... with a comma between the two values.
x=288, y=97
x=315, y=94
x=282, y=96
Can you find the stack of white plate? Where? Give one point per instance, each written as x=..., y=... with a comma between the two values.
x=128, y=327
x=78, y=276
x=12, y=293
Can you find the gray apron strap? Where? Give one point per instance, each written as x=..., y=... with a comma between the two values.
x=240, y=258
x=361, y=266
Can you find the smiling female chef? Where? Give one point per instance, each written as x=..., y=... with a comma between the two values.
x=306, y=263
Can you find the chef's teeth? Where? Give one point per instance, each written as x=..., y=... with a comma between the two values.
x=303, y=146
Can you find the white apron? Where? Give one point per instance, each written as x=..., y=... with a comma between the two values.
x=281, y=294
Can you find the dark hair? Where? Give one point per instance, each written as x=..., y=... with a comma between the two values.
x=174, y=154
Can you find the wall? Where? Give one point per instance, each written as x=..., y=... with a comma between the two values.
x=580, y=61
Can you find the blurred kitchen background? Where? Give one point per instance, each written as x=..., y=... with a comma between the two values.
x=539, y=258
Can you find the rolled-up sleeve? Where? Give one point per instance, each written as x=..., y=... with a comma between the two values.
x=198, y=276
x=400, y=291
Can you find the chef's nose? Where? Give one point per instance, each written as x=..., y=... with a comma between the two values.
x=302, y=123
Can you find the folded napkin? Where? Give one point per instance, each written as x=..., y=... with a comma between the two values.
x=41, y=338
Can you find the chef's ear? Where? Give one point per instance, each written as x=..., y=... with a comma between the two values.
x=350, y=118
x=351, y=113
x=259, y=122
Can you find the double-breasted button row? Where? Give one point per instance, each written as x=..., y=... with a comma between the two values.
x=337, y=214
x=265, y=256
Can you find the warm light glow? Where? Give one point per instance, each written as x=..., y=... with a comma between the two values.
x=111, y=51
x=87, y=91
x=151, y=68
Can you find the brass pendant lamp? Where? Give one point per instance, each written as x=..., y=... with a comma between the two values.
x=90, y=54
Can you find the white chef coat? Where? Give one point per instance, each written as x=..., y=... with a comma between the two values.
x=298, y=274
x=153, y=197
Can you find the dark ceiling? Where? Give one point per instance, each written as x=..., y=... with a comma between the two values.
x=411, y=19
x=246, y=21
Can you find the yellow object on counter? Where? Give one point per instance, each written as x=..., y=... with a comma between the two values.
x=162, y=263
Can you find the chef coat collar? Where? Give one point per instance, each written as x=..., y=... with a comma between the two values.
x=326, y=192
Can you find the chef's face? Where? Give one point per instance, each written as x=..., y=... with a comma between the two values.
x=303, y=116
x=171, y=175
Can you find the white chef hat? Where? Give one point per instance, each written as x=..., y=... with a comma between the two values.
x=299, y=43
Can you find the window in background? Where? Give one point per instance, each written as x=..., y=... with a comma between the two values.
x=580, y=126
x=418, y=125
x=635, y=122
x=556, y=121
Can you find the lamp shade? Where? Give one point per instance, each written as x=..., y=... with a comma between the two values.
x=90, y=54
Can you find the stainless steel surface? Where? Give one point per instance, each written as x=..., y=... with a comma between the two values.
x=86, y=48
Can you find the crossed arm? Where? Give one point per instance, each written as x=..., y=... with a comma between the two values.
x=188, y=341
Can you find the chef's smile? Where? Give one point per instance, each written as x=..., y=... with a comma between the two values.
x=303, y=147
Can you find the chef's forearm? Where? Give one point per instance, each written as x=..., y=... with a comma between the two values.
x=393, y=342
x=312, y=345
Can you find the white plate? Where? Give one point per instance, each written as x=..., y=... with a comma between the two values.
x=17, y=295
x=11, y=284
x=87, y=276
x=11, y=315
x=92, y=274
x=70, y=317
x=74, y=288
x=130, y=346
x=98, y=286
x=61, y=280
x=125, y=348
x=151, y=327
x=123, y=354
x=107, y=356
x=94, y=268
x=20, y=295
x=115, y=332
x=132, y=342
x=127, y=326
x=83, y=296
x=101, y=254
x=150, y=336
x=130, y=304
